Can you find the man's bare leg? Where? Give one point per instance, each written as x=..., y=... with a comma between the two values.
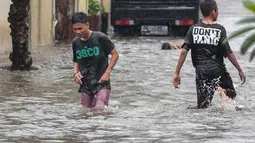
x=101, y=99
x=223, y=96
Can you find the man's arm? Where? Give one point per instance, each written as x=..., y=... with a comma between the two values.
x=232, y=59
x=185, y=48
x=182, y=57
x=228, y=53
x=113, y=61
x=75, y=68
x=76, y=72
x=181, y=60
x=109, y=48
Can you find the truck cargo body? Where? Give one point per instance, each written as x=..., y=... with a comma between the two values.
x=154, y=17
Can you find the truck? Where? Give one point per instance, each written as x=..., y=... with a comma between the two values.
x=154, y=17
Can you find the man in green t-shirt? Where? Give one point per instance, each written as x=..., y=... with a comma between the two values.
x=91, y=67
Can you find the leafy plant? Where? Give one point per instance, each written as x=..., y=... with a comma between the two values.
x=94, y=7
x=250, y=40
x=102, y=9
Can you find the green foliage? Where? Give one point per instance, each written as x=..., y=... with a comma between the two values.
x=250, y=40
x=94, y=7
x=102, y=9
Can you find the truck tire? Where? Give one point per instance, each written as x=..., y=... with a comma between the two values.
x=125, y=30
x=179, y=31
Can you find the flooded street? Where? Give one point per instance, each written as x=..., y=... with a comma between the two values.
x=44, y=106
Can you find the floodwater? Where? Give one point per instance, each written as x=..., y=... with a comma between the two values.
x=44, y=106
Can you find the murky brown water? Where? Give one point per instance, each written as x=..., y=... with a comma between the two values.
x=43, y=105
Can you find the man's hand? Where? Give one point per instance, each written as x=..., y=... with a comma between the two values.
x=242, y=77
x=233, y=60
x=77, y=77
x=105, y=77
x=176, y=80
x=182, y=57
x=172, y=46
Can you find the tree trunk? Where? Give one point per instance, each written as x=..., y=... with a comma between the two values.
x=104, y=22
x=64, y=11
x=18, y=18
x=94, y=22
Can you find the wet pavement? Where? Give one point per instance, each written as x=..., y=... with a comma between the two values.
x=43, y=105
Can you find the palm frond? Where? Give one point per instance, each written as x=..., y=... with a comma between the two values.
x=249, y=41
x=247, y=20
x=252, y=55
x=239, y=32
x=249, y=5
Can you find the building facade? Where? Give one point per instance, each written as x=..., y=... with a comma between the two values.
x=42, y=22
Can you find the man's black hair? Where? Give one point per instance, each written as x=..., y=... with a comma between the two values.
x=207, y=6
x=79, y=17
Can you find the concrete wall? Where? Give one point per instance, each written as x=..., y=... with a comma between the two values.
x=5, y=38
x=107, y=5
x=41, y=22
x=42, y=13
x=82, y=5
x=4, y=9
x=34, y=23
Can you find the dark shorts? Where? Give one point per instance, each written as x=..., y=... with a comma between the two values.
x=207, y=84
x=91, y=87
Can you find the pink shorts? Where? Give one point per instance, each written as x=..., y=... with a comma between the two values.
x=98, y=100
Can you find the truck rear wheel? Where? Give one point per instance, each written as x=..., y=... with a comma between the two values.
x=179, y=31
x=126, y=30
